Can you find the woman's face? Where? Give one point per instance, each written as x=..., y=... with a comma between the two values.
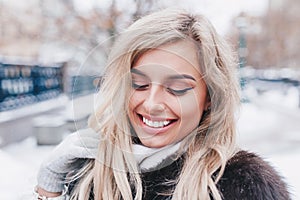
x=168, y=94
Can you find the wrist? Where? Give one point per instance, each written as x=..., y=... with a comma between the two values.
x=41, y=194
x=45, y=193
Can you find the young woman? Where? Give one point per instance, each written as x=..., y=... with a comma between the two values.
x=165, y=127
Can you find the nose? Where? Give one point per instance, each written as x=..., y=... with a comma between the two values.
x=155, y=102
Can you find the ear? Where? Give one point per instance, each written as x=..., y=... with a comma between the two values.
x=207, y=104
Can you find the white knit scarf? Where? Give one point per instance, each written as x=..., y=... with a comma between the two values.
x=149, y=158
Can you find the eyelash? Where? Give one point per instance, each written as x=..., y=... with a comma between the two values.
x=139, y=87
x=178, y=92
x=170, y=90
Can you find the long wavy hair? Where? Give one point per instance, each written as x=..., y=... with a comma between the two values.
x=114, y=173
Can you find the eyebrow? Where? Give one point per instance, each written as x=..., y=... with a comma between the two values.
x=179, y=76
x=136, y=71
x=182, y=76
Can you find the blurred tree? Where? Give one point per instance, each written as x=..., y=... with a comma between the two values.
x=273, y=39
x=67, y=29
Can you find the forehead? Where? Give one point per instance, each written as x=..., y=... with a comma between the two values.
x=176, y=58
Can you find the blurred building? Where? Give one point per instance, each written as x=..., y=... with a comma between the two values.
x=40, y=71
x=52, y=55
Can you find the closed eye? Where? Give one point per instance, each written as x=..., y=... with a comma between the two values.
x=178, y=92
x=140, y=86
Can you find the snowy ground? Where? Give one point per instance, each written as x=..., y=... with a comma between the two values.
x=268, y=125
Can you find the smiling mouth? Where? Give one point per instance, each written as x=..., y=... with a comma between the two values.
x=155, y=124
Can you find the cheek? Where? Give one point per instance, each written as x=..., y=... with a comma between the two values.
x=134, y=100
x=192, y=107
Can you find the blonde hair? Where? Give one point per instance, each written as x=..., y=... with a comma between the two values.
x=114, y=173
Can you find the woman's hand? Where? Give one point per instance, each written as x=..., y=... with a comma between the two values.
x=52, y=174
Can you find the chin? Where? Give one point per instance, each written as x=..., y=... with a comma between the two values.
x=155, y=143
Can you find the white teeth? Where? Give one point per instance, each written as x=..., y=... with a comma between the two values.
x=156, y=124
x=166, y=123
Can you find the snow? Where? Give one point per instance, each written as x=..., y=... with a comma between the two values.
x=19, y=165
x=287, y=164
x=267, y=125
x=261, y=131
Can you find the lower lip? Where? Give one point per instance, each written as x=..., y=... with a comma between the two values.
x=155, y=131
